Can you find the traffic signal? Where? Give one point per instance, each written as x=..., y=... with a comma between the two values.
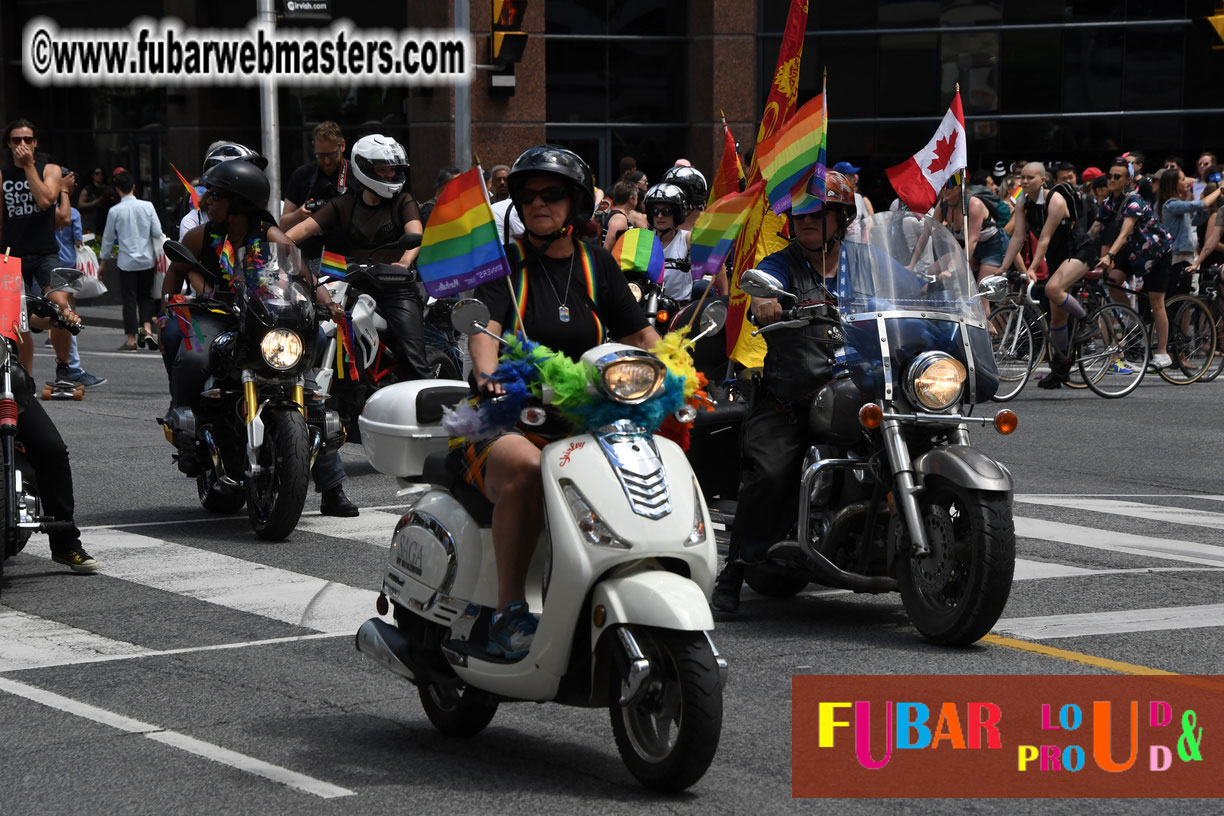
x=508, y=41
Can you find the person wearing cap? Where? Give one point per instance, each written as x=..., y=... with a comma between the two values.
x=862, y=206
x=776, y=434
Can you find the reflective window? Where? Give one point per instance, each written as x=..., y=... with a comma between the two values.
x=909, y=75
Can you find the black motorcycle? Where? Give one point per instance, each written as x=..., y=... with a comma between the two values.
x=893, y=498
x=255, y=437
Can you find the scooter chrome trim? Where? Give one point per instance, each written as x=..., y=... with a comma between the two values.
x=724, y=673
x=638, y=467
x=638, y=677
x=382, y=643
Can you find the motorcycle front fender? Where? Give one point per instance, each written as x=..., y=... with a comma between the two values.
x=655, y=598
x=964, y=466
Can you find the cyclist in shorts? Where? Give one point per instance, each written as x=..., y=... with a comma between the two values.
x=1063, y=243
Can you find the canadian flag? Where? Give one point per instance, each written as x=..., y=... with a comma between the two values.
x=918, y=180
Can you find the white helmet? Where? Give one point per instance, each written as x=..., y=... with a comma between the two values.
x=224, y=151
x=376, y=151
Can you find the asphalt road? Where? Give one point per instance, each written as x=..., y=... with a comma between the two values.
x=187, y=678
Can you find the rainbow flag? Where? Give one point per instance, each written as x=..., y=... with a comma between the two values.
x=334, y=265
x=795, y=154
x=730, y=171
x=191, y=191
x=460, y=249
x=717, y=228
x=638, y=250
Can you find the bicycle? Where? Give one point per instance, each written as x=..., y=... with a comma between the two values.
x=1192, y=336
x=1019, y=339
x=1110, y=348
x=1211, y=295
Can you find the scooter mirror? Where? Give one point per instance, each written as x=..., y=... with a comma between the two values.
x=178, y=253
x=761, y=284
x=993, y=287
x=64, y=279
x=713, y=316
x=470, y=316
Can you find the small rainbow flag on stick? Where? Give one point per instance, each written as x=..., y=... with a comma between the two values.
x=717, y=228
x=638, y=250
x=727, y=177
x=191, y=191
x=795, y=155
x=460, y=249
x=333, y=265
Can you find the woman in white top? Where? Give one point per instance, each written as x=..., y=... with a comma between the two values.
x=666, y=209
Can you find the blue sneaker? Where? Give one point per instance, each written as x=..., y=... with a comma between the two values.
x=1118, y=367
x=88, y=380
x=511, y=632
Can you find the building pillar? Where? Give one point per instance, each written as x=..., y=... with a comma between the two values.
x=722, y=77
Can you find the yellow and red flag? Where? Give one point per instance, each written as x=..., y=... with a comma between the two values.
x=760, y=233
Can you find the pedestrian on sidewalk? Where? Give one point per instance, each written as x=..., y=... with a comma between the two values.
x=132, y=225
x=69, y=238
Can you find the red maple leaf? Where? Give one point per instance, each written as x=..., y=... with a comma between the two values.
x=943, y=153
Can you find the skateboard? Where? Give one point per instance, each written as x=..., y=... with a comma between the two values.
x=63, y=391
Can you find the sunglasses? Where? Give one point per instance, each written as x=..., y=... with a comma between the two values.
x=333, y=154
x=1116, y=176
x=550, y=195
x=655, y=212
x=21, y=139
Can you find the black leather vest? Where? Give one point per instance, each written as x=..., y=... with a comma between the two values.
x=796, y=364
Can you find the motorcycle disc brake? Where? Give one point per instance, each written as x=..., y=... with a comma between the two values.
x=934, y=572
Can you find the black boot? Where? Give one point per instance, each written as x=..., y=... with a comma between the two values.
x=726, y=597
x=335, y=503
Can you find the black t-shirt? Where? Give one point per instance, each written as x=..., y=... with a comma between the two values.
x=28, y=230
x=352, y=227
x=619, y=314
x=308, y=182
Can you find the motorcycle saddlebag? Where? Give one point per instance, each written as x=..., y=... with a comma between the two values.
x=834, y=413
x=402, y=424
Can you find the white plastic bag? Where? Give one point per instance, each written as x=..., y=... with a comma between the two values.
x=161, y=264
x=87, y=262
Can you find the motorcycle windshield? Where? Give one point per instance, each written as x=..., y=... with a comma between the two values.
x=275, y=285
x=904, y=288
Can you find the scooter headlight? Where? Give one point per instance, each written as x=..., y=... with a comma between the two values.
x=589, y=523
x=632, y=379
x=281, y=349
x=636, y=290
x=935, y=381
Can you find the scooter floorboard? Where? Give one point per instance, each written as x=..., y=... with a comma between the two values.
x=475, y=650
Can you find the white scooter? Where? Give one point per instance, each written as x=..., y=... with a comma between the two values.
x=620, y=580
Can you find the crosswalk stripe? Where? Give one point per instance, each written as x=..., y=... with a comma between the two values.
x=1132, y=509
x=290, y=597
x=1045, y=627
x=175, y=739
x=371, y=527
x=32, y=642
x=1114, y=541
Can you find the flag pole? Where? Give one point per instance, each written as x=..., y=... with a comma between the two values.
x=824, y=261
x=964, y=185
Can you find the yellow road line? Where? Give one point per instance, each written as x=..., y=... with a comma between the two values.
x=1074, y=657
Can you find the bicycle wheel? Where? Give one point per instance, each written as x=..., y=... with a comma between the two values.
x=1192, y=340
x=1039, y=327
x=1012, y=343
x=1114, y=359
x=1217, y=364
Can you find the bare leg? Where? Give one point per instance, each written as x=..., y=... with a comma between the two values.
x=25, y=351
x=1161, y=318
x=512, y=483
x=61, y=341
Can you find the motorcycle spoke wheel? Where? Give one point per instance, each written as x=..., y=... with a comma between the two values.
x=957, y=593
x=1192, y=340
x=669, y=734
x=276, y=496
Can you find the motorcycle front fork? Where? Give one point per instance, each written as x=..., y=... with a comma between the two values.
x=907, y=486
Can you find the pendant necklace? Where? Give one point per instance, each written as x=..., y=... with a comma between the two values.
x=563, y=312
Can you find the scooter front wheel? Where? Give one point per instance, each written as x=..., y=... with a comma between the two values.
x=667, y=733
x=455, y=713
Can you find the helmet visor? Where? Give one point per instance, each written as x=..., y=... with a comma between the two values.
x=382, y=170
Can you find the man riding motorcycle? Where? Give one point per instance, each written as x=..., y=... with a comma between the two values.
x=776, y=433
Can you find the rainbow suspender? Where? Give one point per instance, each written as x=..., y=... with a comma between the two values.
x=588, y=277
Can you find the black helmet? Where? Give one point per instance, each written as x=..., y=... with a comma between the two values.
x=692, y=182
x=560, y=162
x=245, y=179
x=669, y=194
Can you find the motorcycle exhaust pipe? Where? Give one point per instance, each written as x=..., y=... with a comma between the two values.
x=826, y=570
x=214, y=453
x=382, y=643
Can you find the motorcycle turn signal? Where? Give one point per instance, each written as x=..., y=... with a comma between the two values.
x=871, y=416
x=1006, y=421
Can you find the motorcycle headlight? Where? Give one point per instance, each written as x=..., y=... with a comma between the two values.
x=633, y=379
x=281, y=349
x=935, y=381
x=636, y=290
